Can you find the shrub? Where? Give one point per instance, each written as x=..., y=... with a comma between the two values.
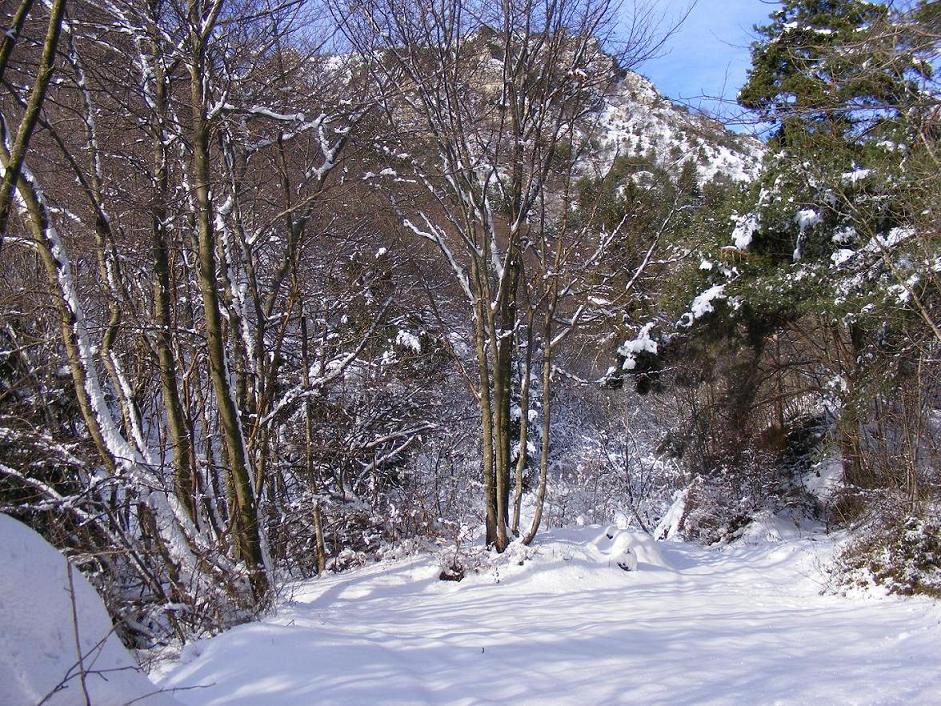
x=903, y=555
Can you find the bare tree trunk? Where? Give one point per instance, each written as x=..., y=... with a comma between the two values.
x=546, y=428
x=321, y=547
x=854, y=467
x=12, y=34
x=312, y=477
x=524, y=428
x=248, y=539
x=180, y=448
x=17, y=151
x=486, y=425
x=41, y=230
x=503, y=372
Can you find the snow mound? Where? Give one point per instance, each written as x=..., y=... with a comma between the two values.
x=46, y=611
x=620, y=542
x=577, y=558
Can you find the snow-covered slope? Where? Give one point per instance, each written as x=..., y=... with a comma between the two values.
x=563, y=624
x=54, y=628
x=630, y=118
x=635, y=120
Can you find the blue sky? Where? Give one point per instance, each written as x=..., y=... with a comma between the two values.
x=709, y=55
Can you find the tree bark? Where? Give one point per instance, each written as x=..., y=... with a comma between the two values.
x=37, y=94
x=180, y=447
x=546, y=428
x=524, y=429
x=248, y=538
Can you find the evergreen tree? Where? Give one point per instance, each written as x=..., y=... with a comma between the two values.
x=820, y=292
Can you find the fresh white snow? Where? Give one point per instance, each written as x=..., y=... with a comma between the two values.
x=807, y=218
x=642, y=343
x=560, y=623
x=54, y=628
x=745, y=228
x=702, y=304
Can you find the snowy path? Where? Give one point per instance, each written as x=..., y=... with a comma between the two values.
x=742, y=625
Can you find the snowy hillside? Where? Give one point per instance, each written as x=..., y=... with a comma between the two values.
x=562, y=623
x=636, y=120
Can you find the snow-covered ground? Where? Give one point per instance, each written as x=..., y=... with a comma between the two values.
x=742, y=624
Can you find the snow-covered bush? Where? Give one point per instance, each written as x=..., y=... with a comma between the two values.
x=606, y=464
x=901, y=554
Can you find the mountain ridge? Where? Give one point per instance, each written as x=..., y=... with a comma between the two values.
x=636, y=120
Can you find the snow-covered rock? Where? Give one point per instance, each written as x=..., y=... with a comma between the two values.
x=54, y=629
x=634, y=119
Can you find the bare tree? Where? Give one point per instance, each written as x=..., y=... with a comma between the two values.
x=492, y=106
x=37, y=94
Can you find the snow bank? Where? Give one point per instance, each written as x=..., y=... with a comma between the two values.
x=46, y=612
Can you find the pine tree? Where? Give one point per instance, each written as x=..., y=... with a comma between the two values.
x=837, y=240
x=820, y=292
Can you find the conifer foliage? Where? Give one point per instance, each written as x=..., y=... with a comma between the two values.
x=821, y=292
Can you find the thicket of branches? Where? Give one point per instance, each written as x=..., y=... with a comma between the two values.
x=261, y=265
x=285, y=286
